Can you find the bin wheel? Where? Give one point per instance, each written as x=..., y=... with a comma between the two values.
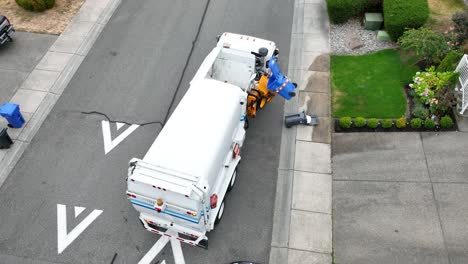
x=220, y=214
x=246, y=123
x=233, y=180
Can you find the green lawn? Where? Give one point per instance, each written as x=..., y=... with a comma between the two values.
x=370, y=85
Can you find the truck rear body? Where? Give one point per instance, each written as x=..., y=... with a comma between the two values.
x=190, y=160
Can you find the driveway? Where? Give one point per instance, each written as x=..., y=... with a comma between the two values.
x=400, y=197
x=18, y=59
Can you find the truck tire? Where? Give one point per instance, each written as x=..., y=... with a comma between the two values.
x=232, y=182
x=220, y=214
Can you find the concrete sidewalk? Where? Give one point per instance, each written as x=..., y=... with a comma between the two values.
x=302, y=228
x=47, y=80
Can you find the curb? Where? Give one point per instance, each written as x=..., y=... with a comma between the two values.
x=52, y=74
x=300, y=155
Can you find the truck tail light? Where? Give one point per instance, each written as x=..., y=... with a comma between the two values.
x=235, y=151
x=131, y=195
x=192, y=213
x=213, y=201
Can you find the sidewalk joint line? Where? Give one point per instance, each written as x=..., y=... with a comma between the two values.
x=399, y=181
x=384, y=181
x=35, y=90
x=312, y=251
x=307, y=211
x=321, y=173
x=312, y=141
x=324, y=173
x=435, y=200
x=39, y=69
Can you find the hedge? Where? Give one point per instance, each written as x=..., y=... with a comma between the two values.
x=36, y=5
x=340, y=11
x=402, y=14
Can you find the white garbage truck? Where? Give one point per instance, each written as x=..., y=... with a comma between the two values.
x=180, y=186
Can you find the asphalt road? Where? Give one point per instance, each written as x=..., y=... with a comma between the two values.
x=131, y=74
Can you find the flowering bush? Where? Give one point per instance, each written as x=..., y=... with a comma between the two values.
x=428, y=84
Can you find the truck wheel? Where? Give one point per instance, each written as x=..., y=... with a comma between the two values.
x=233, y=180
x=220, y=214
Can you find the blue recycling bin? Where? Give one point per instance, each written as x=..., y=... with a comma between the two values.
x=11, y=112
x=279, y=83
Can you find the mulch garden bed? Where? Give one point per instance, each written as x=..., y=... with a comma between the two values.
x=354, y=129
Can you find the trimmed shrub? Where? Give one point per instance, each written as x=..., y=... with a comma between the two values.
x=446, y=122
x=420, y=111
x=401, y=122
x=36, y=5
x=402, y=14
x=340, y=11
x=429, y=123
x=345, y=122
x=373, y=122
x=387, y=123
x=416, y=123
x=359, y=121
x=450, y=62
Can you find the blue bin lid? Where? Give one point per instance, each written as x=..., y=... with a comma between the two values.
x=8, y=108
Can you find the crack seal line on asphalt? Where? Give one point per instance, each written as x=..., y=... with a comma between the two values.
x=179, y=83
x=188, y=60
x=119, y=121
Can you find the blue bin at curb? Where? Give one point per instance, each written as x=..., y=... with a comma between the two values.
x=11, y=112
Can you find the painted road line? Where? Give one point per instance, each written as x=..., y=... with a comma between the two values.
x=78, y=211
x=177, y=251
x=119, y=125
x=64, y=239
x=110, y=144
x=159, y=246
x=154, y=251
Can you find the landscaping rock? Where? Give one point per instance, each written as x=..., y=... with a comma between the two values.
x=340, y=33
x=355, y=42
